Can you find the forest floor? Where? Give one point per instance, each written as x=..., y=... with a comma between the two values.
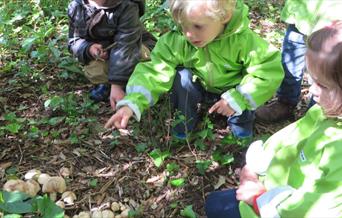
x=144, y=168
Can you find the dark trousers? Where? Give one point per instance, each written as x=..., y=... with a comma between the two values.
x=187, y=94
x=222, y=204
x=293, y=61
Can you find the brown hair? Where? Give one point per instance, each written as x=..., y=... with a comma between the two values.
x=324, y=56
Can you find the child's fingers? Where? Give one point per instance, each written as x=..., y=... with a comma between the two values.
x=112, y=122
x=112, y=104
x=213, y=108
x=124, y=122
x=109, y=123
x=104, y=55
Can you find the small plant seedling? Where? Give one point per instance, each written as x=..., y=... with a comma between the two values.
x=188, y=212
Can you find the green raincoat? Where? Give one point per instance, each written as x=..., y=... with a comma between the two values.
x=238, y=64
x=311, y=15
x=301, y=169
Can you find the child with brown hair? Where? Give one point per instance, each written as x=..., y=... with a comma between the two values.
x=297, y=172
x=214, y=58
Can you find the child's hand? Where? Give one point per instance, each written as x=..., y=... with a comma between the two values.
x=249, y=185
x=247, y=174
x=120, y=119
x=222, y=107
x=116, y=94
x=97, y=52
x=248, y=189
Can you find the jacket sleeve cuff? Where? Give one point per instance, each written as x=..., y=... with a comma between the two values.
x=234, y=100
x=269, y=201
x=257, y=159
x=130, y=104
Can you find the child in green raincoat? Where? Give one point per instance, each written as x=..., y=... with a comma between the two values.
x=297, y=172
x=215, y=58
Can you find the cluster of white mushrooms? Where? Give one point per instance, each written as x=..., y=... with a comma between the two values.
x=118, y=210
x=35, y=181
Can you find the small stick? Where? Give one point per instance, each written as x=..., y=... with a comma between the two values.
x=109, y=46
x=97, y=56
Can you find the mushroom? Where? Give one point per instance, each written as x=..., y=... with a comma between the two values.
x=69, y=197
x=102, y=214
x=53, y=185
x=32, y=187
x=82, y=214
x=43, y=178
x=122, y=206
x=96, y=214
x=124, y=214
x=107, y=214
x=60, y=204
x=15, y=185
x=115, y=206
x=65, y=172
x=32, y=174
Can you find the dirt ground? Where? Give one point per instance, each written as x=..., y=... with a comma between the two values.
x=105, y=166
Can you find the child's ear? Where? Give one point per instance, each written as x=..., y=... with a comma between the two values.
x=227, y=18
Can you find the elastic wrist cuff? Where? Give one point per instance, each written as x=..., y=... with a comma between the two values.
x=255, y=204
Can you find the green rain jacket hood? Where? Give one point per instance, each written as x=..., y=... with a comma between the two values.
x=238, y=64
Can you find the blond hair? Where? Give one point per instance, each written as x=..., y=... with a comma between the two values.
x=216, y=9
x=324, y=56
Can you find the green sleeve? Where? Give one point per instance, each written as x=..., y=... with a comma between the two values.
x=246, y=211
x=263, y=72
x=155, y=77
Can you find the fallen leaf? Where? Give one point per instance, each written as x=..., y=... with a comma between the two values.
x=221, y=181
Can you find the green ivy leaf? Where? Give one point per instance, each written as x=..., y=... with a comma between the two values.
x=229, y=140
x=13, y=216
x=70, y=66
x=55, y=120
x=203, y=165
x=27, y=43
x=13, y=127
x=11, y=170
x=199, y=144
x=174, y=205
x=141, y=147
x=226, y=159
x=11, y=117
x=13, y=202
x=172, y=167
x=73, y=138
x=47, y=208
x=177, y=182
x=14, y=196
x=93, y=183
x=223, y=159
x=158, y=156
x=188, y=212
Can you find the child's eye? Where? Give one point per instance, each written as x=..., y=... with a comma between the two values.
x=320, y=85
x=198, y=27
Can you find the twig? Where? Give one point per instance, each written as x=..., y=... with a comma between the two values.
x=21, y=154
x=110, y=46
